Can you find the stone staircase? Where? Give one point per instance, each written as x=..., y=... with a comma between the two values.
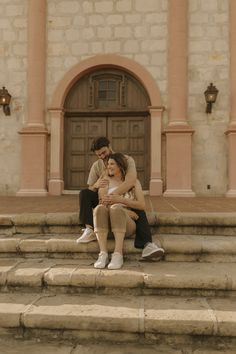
x=183, y=304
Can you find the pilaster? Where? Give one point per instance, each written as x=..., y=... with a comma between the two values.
x=231, y=132
x=178, y=132
x=56, y=180
x=156, y=182
x=34, y=134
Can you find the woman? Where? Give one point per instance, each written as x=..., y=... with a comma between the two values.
x=114, y=212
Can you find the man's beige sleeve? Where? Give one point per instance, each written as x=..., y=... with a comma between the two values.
x=93, y=175
x=95, y=172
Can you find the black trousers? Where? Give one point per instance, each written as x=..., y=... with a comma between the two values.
x=88, y=200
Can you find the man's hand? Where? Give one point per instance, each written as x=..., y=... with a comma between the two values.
x=101, y=183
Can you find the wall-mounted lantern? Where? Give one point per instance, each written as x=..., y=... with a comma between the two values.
x=5, y=99
x=210, y=96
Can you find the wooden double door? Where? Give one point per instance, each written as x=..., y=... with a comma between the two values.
x=127, y=133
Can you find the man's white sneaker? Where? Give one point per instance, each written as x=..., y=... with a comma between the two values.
x=87, y=236
x=152, y=251
x=116, y=261
x=102, y=260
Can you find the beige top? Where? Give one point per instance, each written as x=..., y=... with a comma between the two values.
x=98, y=168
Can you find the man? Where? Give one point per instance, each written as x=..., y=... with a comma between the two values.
x=89, y=200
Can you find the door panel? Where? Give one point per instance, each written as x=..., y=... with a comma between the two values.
x=79, y=134
x=129, y=135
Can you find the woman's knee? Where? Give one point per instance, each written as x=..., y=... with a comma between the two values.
x=100, y=210
x=118, y=218
x=100, y=217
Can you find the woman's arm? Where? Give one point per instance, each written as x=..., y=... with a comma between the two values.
x=139, y=203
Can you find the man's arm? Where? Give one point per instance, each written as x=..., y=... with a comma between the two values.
x=130, y=177
x=96, y=176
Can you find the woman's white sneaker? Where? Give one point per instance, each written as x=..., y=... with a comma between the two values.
x=87, y=236
x=152, y=251
x=116, y=261
x=102, y=260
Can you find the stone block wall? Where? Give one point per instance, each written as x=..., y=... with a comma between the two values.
x=209, y=62
x=13, y=64
x=137, y=29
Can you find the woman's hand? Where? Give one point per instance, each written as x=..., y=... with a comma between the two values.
x=110, y=199
x=101, y=183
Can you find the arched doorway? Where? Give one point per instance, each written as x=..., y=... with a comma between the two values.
x=106, y=102
x=57, y=116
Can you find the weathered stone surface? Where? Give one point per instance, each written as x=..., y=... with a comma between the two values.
x=189, y=275
x=85, y=313
x=28, y=273
x=62, y=245
x=29, y=229
x=59, y=275
x=85, y=277
x=203, y=219
x=127, y=348
x=5, y=220
x=34, y=347
x=62, y=219
x=29, y=219
x=225, y=313
x=178, y=315
x=128, y=277
x=33, y=245
x=12, y=306
x=5, y=266
x=48, y=347
x=9, y=244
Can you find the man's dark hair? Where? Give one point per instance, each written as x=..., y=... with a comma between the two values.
x=99, y=143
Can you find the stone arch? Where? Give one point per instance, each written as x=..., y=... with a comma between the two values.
x=56, y=183
x=100, y=61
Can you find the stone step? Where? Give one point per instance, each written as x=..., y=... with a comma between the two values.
x=119, y=317
x=49, y=347
x=36, y=346
x=174, y=223
x=177, y=247
x=141, y=278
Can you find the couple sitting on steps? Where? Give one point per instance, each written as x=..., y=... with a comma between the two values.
x=114, y=201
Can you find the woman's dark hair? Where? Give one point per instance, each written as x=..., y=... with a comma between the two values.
x=121, y=162
x=99, y=143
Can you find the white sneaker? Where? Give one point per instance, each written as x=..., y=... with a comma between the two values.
x=102, y=260
x=87, y=236
x=152, y=251
x=116, y=261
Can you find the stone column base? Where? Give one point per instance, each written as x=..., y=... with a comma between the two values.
x=231, y=193
x=155, y=187
x=231, y=134
x=55, y=186
x=32, y=193
x=33, y=162
x=179, y=161
x=179, y=193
